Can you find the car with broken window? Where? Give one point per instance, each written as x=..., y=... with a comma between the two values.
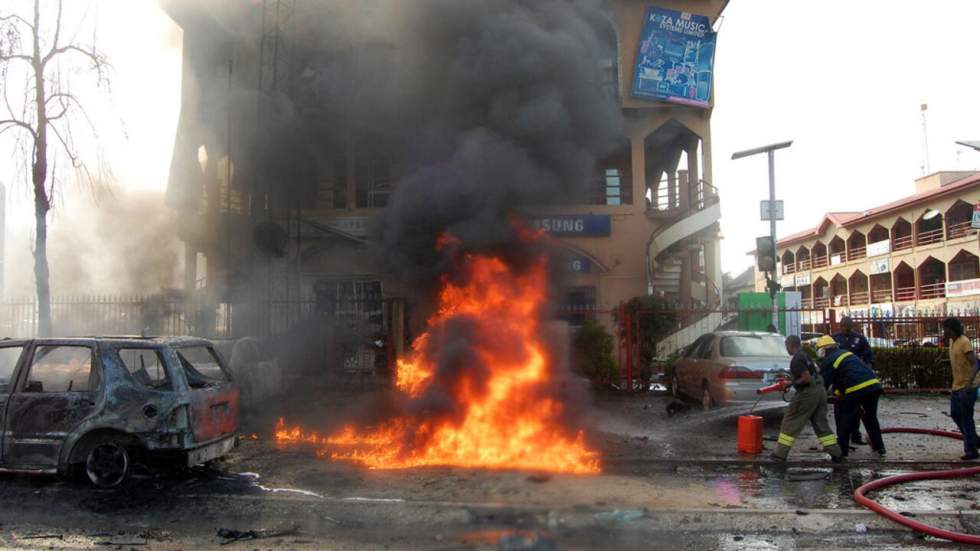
x=727, y=367
x=93, y=406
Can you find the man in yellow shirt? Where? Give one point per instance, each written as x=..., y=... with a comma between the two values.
x=963, y=361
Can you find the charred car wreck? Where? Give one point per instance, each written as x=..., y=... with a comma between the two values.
x=94, y=405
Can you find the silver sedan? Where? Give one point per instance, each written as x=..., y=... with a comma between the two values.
x=727, y=367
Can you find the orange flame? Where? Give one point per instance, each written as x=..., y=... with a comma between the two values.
x=508, y=421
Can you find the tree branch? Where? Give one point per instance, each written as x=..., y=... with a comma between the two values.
x=9, y=123
x=15, y=17
x=12, y=57
x=57, y=27
x=98, y=61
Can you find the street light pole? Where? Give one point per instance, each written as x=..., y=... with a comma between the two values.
x=769, y=150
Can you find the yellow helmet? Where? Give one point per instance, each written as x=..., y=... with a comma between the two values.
x=826, y=340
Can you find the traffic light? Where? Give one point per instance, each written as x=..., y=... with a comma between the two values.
x=773, y=286
x=763, y=254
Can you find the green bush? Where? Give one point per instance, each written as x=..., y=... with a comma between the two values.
x=914, y=367
x=593, y=353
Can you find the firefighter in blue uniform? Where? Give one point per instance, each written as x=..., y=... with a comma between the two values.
x=859, y=390
x=854, y=342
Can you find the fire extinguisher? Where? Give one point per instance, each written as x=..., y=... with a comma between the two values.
x=779, y=386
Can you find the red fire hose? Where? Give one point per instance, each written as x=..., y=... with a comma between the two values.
x=859, y=494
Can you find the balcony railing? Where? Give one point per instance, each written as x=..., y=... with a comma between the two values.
x=902, y=242
x=933, y=290
x=859, y=297
x=882, y=295
x=903, y=294
x=930, y=237
x=667, y=201
x=819, y=262
x=857, y=253
x=961, y=229
x=807, y=303
x=822, y=302
x=789, y=268
x=804, y=264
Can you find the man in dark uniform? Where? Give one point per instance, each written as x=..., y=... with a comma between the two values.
x=809, y=405
x=854, y=342
x=859, y=389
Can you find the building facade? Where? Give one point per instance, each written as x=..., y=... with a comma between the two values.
x=914, y=256
x=650, y=226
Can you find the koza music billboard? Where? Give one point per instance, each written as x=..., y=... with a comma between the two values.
x=676, y=58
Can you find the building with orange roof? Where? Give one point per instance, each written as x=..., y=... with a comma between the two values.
x=915, y=256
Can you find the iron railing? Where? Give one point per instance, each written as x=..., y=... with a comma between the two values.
x=856, y=253
x=932, y=290
x=961, y=229
x=902, y=242
x=930, y=237
x=879, y=296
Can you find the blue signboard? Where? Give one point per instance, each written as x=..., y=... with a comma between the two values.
x=575, y=225
x=676, y=56
x=579, y=264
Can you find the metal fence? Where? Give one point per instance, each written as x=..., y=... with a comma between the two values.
x=114, y=315
x=911, y=354
x=178, y=315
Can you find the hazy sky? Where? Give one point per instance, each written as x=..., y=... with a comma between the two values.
x=843, y=79
x=137, y=115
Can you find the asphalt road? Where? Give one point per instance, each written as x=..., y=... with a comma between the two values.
x=667, y=483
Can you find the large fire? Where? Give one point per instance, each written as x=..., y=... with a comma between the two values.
x=503, y=415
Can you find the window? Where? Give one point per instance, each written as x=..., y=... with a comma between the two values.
x=372, y=179
x=8, y=363
x=201, y=366
x=62, y=369
x=692, y=349
x=705, y=350
x=614, y=187
x=354, y=300
x=578, y=305
x=146, y=366
x=746, y=346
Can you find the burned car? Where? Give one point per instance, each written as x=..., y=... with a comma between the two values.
x=94, y=405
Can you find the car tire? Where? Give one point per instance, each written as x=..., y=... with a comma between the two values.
x=675, y=386
x=107, y=464
x=707, y=402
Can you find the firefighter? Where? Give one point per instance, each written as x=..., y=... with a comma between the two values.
x=809, y=405
x=852, y=341
x=859, y=390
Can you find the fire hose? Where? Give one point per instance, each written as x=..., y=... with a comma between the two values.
x=860, y=494
x=862, y=499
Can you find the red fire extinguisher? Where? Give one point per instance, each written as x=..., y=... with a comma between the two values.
x=779, y=386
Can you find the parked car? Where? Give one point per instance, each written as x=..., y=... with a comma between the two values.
x=95, y=404
x=726, y=367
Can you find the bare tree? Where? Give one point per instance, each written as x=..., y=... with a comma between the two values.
x=40, y=61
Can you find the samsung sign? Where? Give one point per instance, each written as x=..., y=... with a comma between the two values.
x=575, y=225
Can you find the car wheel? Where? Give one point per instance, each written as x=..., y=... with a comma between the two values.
x=707, y=402
x=675, y=386
x=107, y=465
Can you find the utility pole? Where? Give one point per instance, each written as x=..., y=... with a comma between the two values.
x=769, y=150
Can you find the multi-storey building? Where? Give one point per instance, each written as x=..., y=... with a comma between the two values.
x=914, y=256
x=649, y=227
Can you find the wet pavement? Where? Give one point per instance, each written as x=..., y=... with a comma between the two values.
x=667, y=483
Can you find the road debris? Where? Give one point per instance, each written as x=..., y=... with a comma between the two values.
x=230, y=535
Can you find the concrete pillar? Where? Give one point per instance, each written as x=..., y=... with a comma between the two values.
x=693, y=172
x=685, y=283
x=190, y=268
x=677, y=193
x=638, y=168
